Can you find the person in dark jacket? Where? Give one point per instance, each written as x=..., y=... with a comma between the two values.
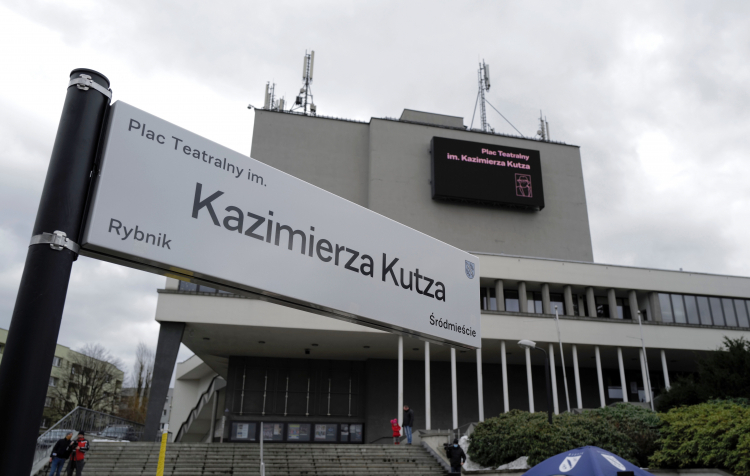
x=77, y=458
x=60, y=453
x=456, y=456
x=408, y=423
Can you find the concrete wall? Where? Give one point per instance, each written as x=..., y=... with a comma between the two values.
x=330, y=154
x=192, y=378
x=400, y=189
x=606, y=332
x=386, y=166
x=245, y=316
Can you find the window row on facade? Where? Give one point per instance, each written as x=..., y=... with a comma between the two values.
x=704, y=310
x=534, y=300
x=675, y=308
x=199, y=288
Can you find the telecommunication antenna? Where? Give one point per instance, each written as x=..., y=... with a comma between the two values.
x=305, y=99
x=270, y=98
x=543, y=131
x=270, y=102
x=484, y=85
x=303, y=103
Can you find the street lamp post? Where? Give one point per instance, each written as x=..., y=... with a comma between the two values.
x=532, y=345
x=562, y=359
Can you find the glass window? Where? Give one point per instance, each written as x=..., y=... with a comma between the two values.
x=53, y=381
x=487, y=296
x=295, y=432
x=705, y=311
x=742, y=316
x=48, y=402
x=678, y=308
x=602, y=306
x=57, y=362
x=206, y=289
x=534, y=302
x=242, y=431
x=729, y=314
x=716, y=311
x=559, y=301
x=275, y=431
x=666, y=308
x=615, y=393
x=188, y=287
x=537, y=303
x=623, y=310
x=511, y=301
x=355, y=433
x=691, y=309
x=325, y=432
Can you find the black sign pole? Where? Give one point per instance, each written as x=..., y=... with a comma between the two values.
x=32, y=337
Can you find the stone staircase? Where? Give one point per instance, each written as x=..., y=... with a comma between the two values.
x=237, y=459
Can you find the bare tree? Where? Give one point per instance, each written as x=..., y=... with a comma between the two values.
x=135, y=403
x=92, y=380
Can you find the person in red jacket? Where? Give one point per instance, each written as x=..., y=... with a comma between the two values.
x=77, y=458
x=396, y=431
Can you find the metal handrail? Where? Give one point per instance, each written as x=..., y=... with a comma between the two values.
x=202, y=401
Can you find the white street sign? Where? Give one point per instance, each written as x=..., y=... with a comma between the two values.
x=171, y=202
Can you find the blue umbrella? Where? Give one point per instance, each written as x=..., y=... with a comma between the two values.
x=585, y=461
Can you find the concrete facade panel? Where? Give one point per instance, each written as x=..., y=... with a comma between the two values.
x=609, y=332
x=330, y=154
x=385, y=165
x=400, y=189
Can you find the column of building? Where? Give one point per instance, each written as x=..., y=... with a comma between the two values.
x=591, y=306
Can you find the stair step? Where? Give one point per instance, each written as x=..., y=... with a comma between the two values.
x=238, y=459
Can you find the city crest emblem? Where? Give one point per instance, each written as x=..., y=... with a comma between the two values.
x=469, y=268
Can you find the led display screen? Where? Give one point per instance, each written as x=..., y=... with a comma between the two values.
x=486, y=173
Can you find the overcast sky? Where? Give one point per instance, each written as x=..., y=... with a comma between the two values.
x=656, y=94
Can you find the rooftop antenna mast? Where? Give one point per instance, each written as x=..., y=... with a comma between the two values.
x=484, y=85
x=305, y=99
x=270, y=103
x=543, y=131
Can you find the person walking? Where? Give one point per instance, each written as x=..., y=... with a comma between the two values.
x=396, y=431
x=60, y=453
x=456, y=456
x=78, y=456
x=408, y=423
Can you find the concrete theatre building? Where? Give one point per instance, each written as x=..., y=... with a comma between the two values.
x=518, y=205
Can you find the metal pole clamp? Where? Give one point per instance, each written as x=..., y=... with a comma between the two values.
x=85, y=82
x=56, y=240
